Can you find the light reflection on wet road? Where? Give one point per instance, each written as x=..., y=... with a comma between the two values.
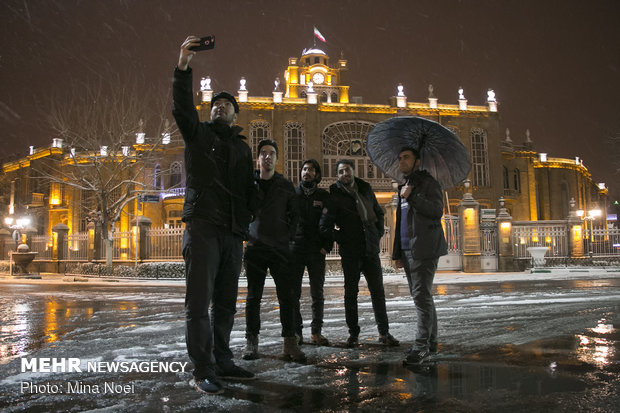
x=534, y=345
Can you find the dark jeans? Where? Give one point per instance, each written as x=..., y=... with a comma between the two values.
x=212, y=264
x=370, y=265
x=257, y=260
x=316, y=274
x=420, y=275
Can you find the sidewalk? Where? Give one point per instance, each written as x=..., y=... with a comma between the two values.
x=442, y=277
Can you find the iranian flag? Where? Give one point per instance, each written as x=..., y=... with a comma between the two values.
x=318, y=34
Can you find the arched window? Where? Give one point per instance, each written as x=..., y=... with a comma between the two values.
x=303, y=94
x=348, y=140
x=517, y=180
x=259, y=130
x=334, y=97
x=176, y=174
x=294, y=149
x=506, y=180
x=479, y=157
x=158, y=182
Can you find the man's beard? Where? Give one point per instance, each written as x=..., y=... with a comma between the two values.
x=223, y=121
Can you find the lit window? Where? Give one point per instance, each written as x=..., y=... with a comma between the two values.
x=348, y=140
x=259, y=130
x=175, y=174
x=55, y=193
x=158, y=182
x=480, y=158
x=294, y=144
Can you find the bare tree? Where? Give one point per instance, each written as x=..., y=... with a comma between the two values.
x=101, y=155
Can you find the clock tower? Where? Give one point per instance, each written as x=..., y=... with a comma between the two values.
x=312, y=69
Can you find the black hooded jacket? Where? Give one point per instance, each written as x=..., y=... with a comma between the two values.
x=311, y=204
x=220, y=185
x=276, y=214
x=308, y=238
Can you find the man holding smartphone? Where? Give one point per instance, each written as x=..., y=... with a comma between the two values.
x=219, y=193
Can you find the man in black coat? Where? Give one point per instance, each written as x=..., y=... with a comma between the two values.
x=353, y=207
x=418, y=243
x=310, y=248
x=218, y=206
x=271, y=234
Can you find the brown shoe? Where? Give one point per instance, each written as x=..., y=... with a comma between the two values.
x=291, y=350
x=319, y=340
x=251, y=348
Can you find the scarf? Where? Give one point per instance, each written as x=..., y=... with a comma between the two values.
x=363, y=204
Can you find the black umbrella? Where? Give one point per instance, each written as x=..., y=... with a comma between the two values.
x=442, y=153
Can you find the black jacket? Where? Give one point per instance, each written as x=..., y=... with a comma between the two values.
x=276, y=214
x=308, y=238
x=354, y=237
x=425, y=211
x=220, y=184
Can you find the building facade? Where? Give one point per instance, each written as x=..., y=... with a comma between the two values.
x=312, y=115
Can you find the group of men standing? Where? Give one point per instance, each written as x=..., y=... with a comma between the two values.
x=287, y=229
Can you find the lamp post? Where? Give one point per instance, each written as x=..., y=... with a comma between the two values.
x=16, y=225
x=589, y=217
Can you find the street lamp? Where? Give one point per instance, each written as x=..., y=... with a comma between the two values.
x=17, y=225
x=591, y=216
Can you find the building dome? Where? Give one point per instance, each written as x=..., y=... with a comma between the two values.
x=313, y=51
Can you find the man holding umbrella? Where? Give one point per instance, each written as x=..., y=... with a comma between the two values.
x=418, y=243
x=426, y=157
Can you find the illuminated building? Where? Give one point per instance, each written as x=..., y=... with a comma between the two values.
x=312, y=114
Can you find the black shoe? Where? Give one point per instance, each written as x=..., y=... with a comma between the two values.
x=388, y=340
x=234, y=373
x=352, y=341
x=417, y=356
x=209, y=386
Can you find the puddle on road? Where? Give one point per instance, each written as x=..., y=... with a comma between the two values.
x=387, y=386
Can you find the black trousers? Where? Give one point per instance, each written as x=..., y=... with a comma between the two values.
x=257, y=260
x=212, y=265
x=315, y=262
x=370, y=265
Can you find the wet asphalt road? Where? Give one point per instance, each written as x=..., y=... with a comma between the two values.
x=510, y=346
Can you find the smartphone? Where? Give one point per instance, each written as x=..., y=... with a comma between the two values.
x=206, y=43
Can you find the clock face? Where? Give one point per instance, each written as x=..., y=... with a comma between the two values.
x=318, y=78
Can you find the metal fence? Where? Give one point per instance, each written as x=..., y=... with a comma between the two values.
x=384, y=247
x=123, y=246
x=42, y=244
x=451, y=230
x=604, y=242
x=551, y=234
x=165, y=243
x=488, y=240
x=76, y=247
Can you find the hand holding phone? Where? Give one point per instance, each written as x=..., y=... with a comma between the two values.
x=206, y=43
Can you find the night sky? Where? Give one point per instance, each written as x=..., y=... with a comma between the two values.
x=554, y=65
